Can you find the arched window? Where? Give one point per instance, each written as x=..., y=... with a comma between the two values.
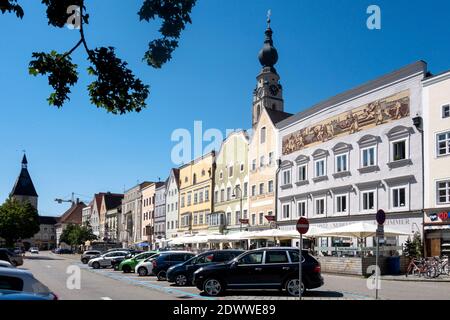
x=194, y=179
x=263, y=135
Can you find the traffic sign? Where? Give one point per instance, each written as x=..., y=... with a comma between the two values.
x=302, y=225
x=381, y=216
x=380, y=231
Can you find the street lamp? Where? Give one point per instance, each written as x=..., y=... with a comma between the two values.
x=237, y=187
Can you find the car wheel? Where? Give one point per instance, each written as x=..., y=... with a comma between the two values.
x=213, y=287
x=142, y=271
x=84, y=260
x=292, y=287
x=126, y=269
x=161, y=275
x=181, y=280
x=96, y=265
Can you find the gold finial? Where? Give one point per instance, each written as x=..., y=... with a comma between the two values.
x=269, y=15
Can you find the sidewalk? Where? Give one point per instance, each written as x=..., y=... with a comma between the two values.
x=401, y=277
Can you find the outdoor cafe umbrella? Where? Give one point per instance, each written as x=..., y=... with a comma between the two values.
x=275, y=233
x=359, y=230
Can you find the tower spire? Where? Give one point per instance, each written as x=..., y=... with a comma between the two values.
x=24, y=161
x=268, y=56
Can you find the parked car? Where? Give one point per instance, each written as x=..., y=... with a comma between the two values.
x=23, y=281
x=104, y=261
x=23, y=296
x=11, y=257
x=182, y=274
x=117, y=261
x=34, y=250
x=128, y=265
x=5, y=264
x=63, y=251
x=88, y=255
x=145, y=267
x=165, y=260
x=264, y=268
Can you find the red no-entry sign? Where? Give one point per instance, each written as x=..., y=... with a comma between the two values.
x=302, y=225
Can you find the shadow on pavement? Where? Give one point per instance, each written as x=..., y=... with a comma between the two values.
x=278, y=293
x=41, y=258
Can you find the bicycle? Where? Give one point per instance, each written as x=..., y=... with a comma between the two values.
x=419, y=267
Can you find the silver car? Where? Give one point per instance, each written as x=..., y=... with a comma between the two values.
x=19, y=280
x=104, y=261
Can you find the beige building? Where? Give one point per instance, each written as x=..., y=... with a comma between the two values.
x=268, y=110
x=148, y=212
x=436, y=118
x=196, y=203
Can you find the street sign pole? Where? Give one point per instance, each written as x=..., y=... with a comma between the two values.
x=300, y=244
x=302, y=228
x=381, y=218
x=377, y=268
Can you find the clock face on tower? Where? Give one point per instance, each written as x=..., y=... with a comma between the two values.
x=274, y=90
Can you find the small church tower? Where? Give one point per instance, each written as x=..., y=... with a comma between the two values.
x=268, y=93
x=24, y=190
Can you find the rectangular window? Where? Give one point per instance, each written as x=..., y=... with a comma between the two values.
x=320, y=206
x=261, y=218
x=206, y=194
x=399, y=150
x=216, y=196
x=222, y=195
x=182, y=201
x=230, y=171
x=443, y=192
x=270, y=187
x=201, y=218
x=253, y=219
x=254, y=164
x=261, y=188
x=301, y=209
x=320, y=168
x=245, y=214
x=263, y=135
x=261, y=161
x=228, y=193
x=195, y=219
x=443, y=144
x=195, y=198
x=286, y=177
x=446, y=111
x=341, y=163
x=237, y=191
x=302, y=173
x=368, y=200
x=341, y=204
x=245, y=189
x=286, y=211
x=253, y=191
x=228, y=218
x=189, y=199
x=368, y=157
x=270, y=158
x=399, y=197
x=237, y=216
x=200, y=196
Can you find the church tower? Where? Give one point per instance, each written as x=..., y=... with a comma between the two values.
x=268, y=92
x=24, y=190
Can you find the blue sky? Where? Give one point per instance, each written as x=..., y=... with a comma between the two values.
x=324, y=47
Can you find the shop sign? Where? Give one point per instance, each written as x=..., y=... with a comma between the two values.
x=443, y=216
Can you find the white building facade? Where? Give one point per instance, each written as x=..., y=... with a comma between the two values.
x=348, y=157
x=172, y=202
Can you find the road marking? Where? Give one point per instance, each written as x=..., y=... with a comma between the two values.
x=105, y=298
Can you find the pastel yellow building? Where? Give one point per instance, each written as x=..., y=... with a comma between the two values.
x=436, y=115
x=196, y=203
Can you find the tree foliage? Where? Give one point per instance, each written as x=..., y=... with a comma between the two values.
x=18, y=220
x=413, y=248
x=116, y=88
x=75, y=235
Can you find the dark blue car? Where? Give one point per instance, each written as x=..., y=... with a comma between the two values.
x=183, y=273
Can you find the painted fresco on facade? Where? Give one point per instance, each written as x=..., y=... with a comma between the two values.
x=373, y=114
